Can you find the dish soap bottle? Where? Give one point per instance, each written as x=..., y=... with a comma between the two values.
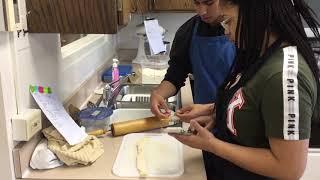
x=115, y=73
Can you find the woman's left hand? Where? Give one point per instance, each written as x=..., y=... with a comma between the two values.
x=200, y=140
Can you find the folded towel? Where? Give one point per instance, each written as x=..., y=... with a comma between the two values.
x=84, y=153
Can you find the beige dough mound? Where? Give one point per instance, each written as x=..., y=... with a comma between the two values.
x=157, y=157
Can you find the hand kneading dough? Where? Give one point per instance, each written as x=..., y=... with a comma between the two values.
x=157, y=157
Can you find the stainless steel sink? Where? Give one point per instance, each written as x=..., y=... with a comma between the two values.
x=137, y=89
x=138, y=96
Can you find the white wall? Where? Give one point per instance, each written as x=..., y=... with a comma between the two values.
x=36, y=63
x=5, y=152
x=315, y=5
x=36, y=59
x=7, y=106
x=39, y=62
x=77, y=67
x=127, y=38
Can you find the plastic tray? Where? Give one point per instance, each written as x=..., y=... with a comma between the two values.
x=125, y=164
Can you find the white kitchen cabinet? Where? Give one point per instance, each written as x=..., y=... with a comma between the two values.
x=2, y=22
x=7, y=20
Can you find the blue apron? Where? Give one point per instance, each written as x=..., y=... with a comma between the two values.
x=211, y=59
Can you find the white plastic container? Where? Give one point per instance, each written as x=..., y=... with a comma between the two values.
x=147, y=60
x=95, y=118
x=153, y=76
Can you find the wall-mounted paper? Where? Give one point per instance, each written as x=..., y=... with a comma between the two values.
x=154, y=36
x=57, y=115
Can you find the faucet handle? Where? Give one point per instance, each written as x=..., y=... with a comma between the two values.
x=125, y=78
x=107, y=87
x=106, y=92
x=111, y=90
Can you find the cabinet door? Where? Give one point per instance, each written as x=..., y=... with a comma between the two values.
x=7, y=16
x=141, y=6
x=2, y=22
x=173, y=5
x=126, y=7
x=72, y=16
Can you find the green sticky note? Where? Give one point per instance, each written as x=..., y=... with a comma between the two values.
x=46, y=90
x=32, y=88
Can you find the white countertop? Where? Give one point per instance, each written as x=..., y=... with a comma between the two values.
x=102, y=168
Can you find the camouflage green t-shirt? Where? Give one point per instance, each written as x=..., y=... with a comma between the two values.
x=277, y=102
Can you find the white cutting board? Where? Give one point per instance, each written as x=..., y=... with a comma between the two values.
x=125, y=164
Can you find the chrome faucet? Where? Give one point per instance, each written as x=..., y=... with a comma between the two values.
x=110, y=93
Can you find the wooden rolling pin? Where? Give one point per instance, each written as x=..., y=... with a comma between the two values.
x=138, y=125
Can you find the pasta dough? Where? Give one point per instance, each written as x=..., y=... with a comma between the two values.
x=156, y=157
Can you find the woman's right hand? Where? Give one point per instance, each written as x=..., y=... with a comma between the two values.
x=159, y=106
x=207, y=122
x=201, y=139
x=194, y=111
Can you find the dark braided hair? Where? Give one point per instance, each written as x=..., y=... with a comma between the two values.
x=257, y=20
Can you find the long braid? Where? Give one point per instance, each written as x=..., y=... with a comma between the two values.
x=290, y=26
x=281, y=17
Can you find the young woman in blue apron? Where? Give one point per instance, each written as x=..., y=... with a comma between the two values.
x=266, y=105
